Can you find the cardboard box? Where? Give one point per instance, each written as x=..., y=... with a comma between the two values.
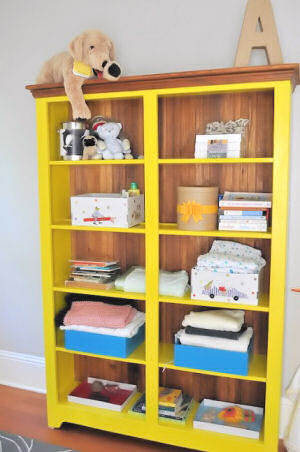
x=107, y=210
x=229, y=145
x=236, y=288
x=206, y=418
x=102, y=344
x=212, y=359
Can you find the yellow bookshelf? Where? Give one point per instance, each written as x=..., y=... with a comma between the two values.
x=161, y=115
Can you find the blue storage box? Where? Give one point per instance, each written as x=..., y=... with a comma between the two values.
x=212, y=359
x=101, y=344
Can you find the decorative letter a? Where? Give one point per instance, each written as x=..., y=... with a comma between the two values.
x=259, y=14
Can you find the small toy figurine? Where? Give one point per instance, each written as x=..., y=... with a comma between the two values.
x=235, y=414
x=90, y=148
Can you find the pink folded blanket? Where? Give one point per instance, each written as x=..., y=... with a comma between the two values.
x=98, y=314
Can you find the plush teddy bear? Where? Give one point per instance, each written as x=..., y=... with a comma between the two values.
x=90, y=54
x=115, y=148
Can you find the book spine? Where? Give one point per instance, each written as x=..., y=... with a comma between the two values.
x=265, y=204
x=246, y=213
x=262, y=220
x=242, y=227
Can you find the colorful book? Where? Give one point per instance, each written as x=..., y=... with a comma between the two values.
x=139, y=408
x=243, y=213
x=169, y=397
x=243, y=199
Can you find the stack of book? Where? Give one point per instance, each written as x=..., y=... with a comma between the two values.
x=98, y=274
x=244, y=211
x=173, y=405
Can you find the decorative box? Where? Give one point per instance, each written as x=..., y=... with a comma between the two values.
x=243, y=420
x=102, y=344
x=212, y=359
x=226, y=287
x=197, y=208
x=229, y=145
x=107, y=210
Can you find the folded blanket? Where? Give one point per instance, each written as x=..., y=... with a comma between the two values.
x=129, y=330
x=240, y=345
x=234, y=249
x=99, y=314
x=218, y=319
x=215, y=333
x=226, y=263
x=170, y=283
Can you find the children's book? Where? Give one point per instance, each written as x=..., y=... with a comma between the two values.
x=169, y=397
x=243, y=199
x=107, y=394
x=139, y=408
x=96, y=262
x=242, y=227
x=225, y=417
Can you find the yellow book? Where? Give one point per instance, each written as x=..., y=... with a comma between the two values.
x=169, y=397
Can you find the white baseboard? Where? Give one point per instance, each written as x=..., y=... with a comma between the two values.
x=22, y=371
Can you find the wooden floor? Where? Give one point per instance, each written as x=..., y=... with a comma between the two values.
x=24, y=413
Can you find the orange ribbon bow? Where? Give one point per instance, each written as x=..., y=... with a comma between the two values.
x=195, y=210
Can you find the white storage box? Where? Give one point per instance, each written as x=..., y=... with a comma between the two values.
x=226, y=287
x=81, y=395
x=107, y=210
x=219, y=146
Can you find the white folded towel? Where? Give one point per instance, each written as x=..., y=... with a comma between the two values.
x=219, y=319
x=239, y=345
x=129, y=330
x=172, y=284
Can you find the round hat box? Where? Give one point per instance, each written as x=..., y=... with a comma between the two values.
x=197, y=208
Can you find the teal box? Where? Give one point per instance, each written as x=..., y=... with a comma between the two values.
x=211, y=359
x=101, y=344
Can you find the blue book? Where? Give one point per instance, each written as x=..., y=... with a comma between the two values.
x=249, y=213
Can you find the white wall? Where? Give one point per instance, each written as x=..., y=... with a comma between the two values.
x=150, y=37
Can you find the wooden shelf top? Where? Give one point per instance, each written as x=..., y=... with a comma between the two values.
x=179, y=79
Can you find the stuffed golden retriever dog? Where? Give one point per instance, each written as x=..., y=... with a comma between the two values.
x=92, y=54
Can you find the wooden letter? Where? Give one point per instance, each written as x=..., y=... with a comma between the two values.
x=258, y=15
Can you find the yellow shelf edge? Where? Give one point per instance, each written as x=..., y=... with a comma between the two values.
x=263, y=305
x=139, y=229
x=183, y=161
x=171, y=229
x=108, y=293
x=130, y=359
x=95, y=162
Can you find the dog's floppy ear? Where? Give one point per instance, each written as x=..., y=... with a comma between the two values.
x=76, y=47
x=111, y=50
